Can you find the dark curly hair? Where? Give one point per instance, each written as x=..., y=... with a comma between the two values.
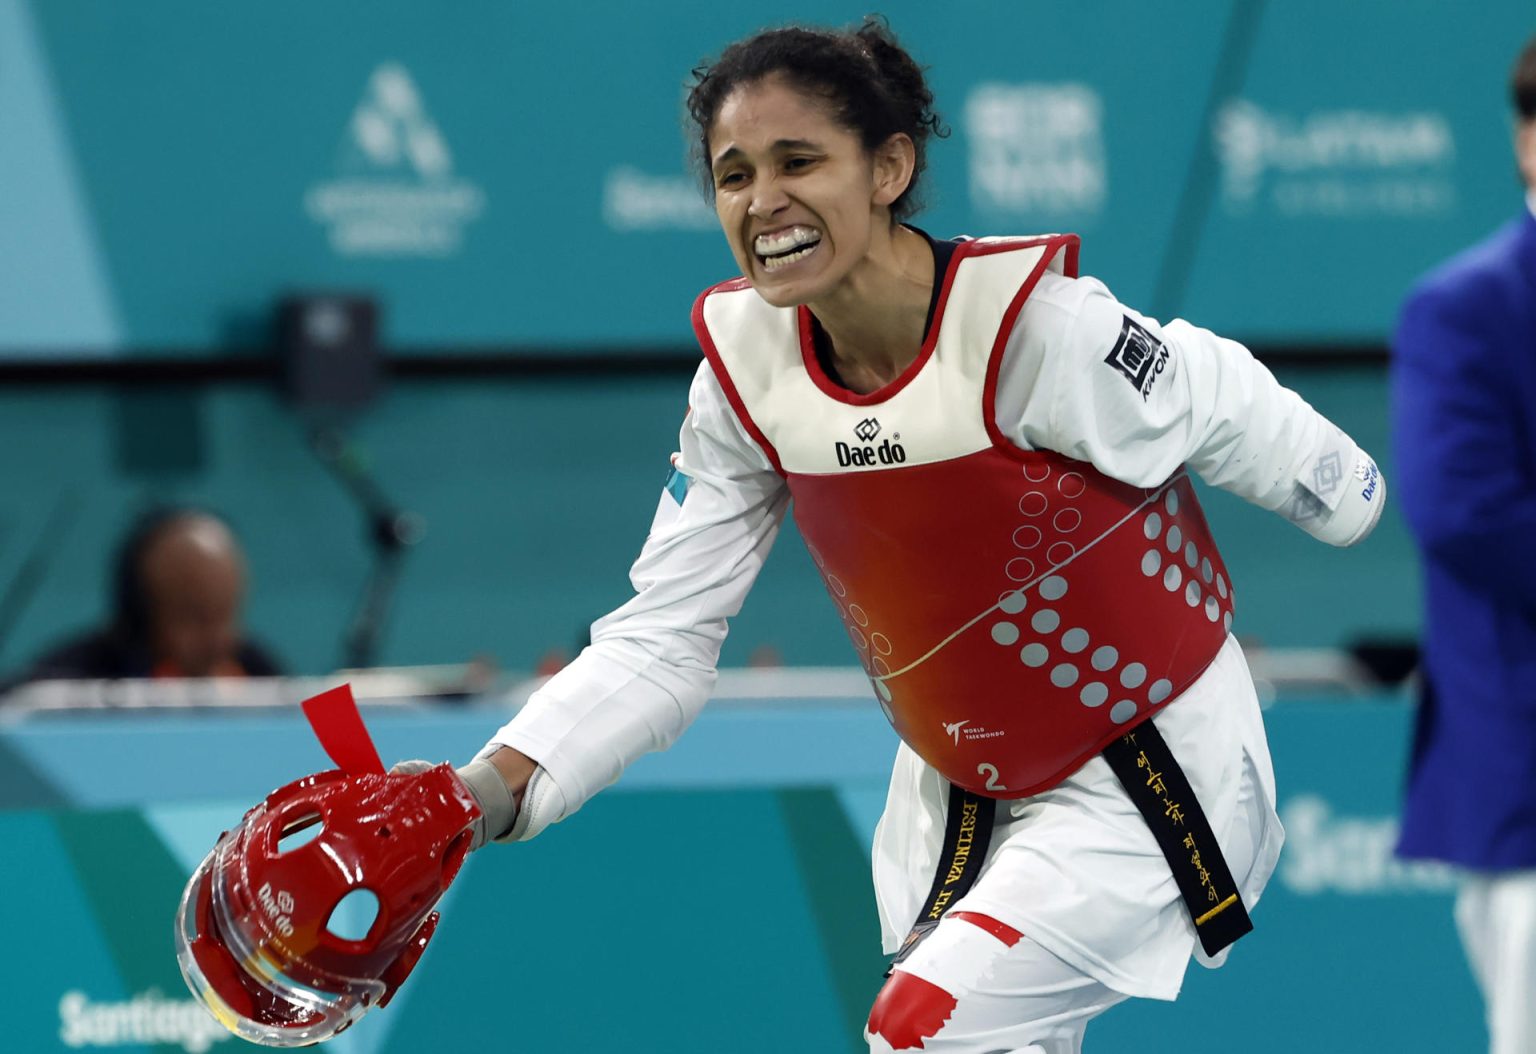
x=868, y=81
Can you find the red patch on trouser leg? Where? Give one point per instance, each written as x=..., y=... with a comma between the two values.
x=909, y=1010
x=1001, y=930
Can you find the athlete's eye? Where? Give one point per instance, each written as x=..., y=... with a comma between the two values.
x=799, y=163
x=729, y=180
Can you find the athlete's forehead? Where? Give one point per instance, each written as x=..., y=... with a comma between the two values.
x=771, y=116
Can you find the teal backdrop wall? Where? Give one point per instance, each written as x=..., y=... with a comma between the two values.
x=509, y=180
x=537, y=496
x=1278, y=171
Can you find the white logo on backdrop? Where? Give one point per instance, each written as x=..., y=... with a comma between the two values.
x=1036, y=148
x=636, y=201
x=148, y=1018
x=1335, y=163
x=1325, y=853
x=396, y=194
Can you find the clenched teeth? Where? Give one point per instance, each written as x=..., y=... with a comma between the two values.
x=773, y=263
x=786, y=240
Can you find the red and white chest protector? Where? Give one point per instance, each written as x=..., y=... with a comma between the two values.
x=1015, y=610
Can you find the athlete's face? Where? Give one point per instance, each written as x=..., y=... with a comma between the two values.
x=798, y=196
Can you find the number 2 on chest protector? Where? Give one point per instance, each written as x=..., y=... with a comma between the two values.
x=990, y=771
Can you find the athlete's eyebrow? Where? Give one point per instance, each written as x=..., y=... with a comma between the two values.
x=780, y=146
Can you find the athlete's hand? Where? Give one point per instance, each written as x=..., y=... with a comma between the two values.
x=498, y=806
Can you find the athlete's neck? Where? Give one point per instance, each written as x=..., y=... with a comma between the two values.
x=875, y=319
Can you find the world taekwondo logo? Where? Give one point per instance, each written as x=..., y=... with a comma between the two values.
x=397, y=194
x=957, y=729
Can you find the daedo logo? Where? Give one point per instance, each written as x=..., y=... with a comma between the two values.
x=279, y=907
x=889, y=452
x=1368, y=474
x=1327, y=474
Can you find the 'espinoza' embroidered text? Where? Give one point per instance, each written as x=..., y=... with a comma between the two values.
x=960, y=860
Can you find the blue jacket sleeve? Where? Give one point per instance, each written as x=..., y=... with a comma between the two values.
x=1466, y=481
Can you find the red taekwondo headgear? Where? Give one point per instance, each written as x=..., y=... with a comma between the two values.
x=263, y=936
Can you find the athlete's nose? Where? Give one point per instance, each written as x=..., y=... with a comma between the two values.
x=767, y=198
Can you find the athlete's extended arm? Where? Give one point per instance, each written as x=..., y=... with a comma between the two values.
x=651, y=664
x=1138, y=399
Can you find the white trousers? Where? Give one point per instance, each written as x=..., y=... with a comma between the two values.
x=983, y=988
x=1496, y=914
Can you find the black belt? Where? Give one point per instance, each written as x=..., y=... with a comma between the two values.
x=967, y=833
x=1147, y=769
x=1157, y=785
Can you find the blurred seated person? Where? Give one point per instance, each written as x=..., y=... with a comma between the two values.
x=177, y=593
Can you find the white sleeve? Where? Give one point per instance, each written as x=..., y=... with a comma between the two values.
x=1087, y=377
x=651, y=664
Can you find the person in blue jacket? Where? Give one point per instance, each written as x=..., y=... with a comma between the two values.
x=1464, y=417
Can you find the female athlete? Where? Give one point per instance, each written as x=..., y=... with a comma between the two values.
x=989, y=457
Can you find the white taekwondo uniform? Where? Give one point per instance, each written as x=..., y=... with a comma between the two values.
x=1073, y=867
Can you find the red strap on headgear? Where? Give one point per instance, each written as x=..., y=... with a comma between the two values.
x=339, y=727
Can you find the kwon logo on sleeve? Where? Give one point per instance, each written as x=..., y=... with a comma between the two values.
x=1139, y=356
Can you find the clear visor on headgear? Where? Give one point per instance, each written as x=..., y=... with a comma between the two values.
x=244, y=978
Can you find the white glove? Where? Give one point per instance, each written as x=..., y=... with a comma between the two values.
x=498, y=810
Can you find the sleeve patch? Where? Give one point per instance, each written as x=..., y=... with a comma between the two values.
x=1139, y=356
x=677, y=484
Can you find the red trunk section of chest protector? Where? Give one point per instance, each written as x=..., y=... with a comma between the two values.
x=1017, y=613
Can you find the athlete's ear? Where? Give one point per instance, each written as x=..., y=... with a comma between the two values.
x=895, y=160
